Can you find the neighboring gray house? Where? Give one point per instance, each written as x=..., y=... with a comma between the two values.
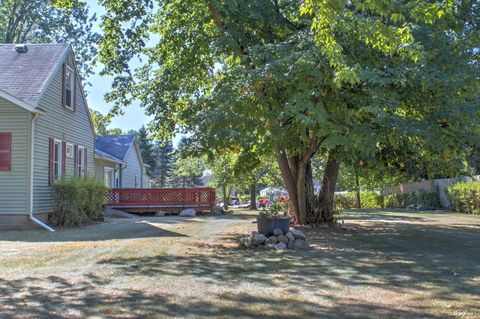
x=45, y=129
x=119, y=163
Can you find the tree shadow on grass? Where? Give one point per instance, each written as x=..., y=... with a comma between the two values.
x=437, y=262
x=125, y=229
x=431, y=263
x=56, y=297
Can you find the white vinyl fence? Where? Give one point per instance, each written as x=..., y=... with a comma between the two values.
x=438, y=185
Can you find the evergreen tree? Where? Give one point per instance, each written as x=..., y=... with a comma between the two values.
x=164, y=154
x=147, y=149
x=189, y=168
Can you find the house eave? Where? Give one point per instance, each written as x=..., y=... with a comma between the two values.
x=19, y=102
x=108, y=159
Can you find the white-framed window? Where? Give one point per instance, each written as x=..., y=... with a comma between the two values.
x=57, y=159
x=69, y=87
x=69, y=151
x=80, y=169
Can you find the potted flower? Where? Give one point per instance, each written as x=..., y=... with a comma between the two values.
x=275, y=216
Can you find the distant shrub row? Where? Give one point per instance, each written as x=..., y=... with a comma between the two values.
x=465, y=197
x=374, y=200
x=427, y=199
x=367, y=199
x=77, y=201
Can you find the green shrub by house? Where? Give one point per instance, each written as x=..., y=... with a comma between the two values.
x=465, y=197
x=76, y=201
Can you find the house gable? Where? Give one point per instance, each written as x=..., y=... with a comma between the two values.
x=132, y=175
x=73, y=128
x=27, y=75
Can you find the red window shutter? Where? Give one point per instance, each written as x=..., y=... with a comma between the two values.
x=75, y=91
x=85, y=162
x=5, y=151
x=64, y=157
x=50, y=160
x=63, y=84
x=75, y=159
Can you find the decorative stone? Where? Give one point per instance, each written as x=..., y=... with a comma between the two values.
x=277, y=232
x=282, y=239
x=272, y=240
x=298, y=234
x=261, y=247
x=258, y=239
x=245, y=242
x=290, y=236
x=189, y=212
x=270, y=246
x=257, y=242
x=300, y=244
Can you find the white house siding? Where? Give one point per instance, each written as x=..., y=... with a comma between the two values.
x=100, y=166
x=13, y=184
x=134, y=168
x=146, y=181
x=62, y=124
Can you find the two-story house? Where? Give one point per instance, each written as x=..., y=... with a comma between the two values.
x=45, y=129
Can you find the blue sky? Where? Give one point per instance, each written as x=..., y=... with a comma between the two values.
x=134, y=116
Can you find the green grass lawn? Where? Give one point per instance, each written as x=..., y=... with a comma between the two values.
x=384, y=264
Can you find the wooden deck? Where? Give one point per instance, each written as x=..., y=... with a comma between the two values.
x=161, y=199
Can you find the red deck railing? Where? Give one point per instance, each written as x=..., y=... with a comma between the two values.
x=161, y=198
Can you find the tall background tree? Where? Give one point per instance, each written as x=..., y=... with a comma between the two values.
x=51, y=21
x=147, y=149
x=386, y=81
x=189, y=166
x=165, y=161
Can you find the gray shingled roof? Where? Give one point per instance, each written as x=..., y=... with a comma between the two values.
x=25, y=75
x=107, y=156
x=115, y=145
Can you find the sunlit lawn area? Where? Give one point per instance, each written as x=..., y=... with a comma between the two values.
x=385, y=264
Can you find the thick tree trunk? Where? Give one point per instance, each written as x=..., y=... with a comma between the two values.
x=323, y=212
x=225, y=197
x=296, y=172
x=253, y=196
x=301, y=195
x=309, y=188
x=289, y=182
x=357, y=190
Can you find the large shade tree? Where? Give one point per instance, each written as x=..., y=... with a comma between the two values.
x=377, y=79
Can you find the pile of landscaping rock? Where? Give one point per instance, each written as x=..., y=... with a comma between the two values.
x=293, y=239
